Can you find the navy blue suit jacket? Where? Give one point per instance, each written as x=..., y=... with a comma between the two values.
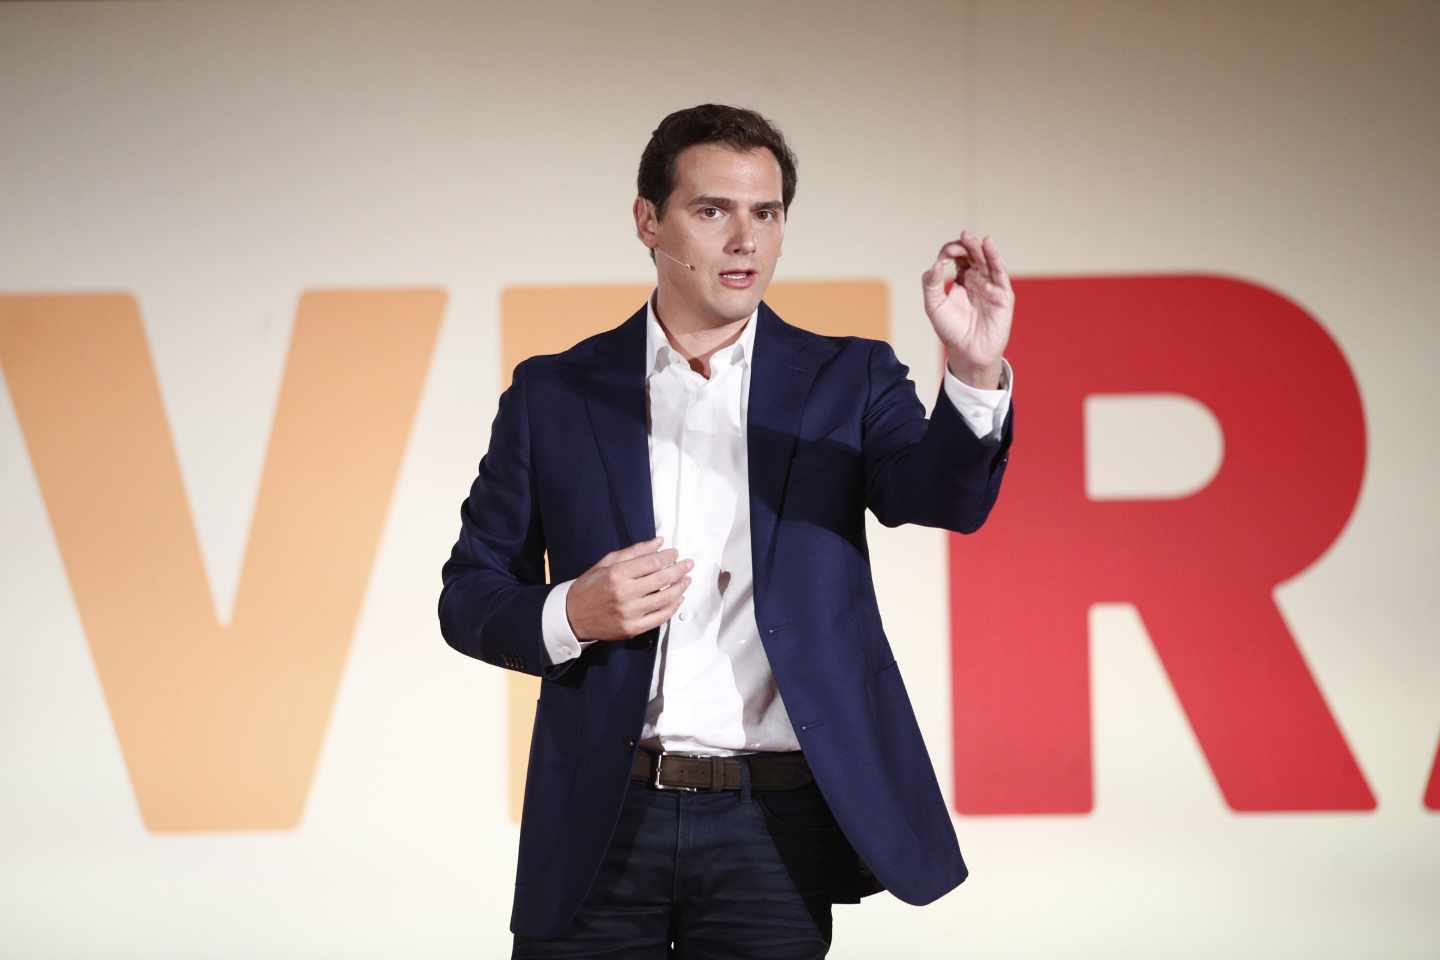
x=834, y=427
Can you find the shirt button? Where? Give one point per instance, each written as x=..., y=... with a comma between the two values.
x=684, y=616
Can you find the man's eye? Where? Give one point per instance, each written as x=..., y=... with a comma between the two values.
x=767, y=214
x=706, y=211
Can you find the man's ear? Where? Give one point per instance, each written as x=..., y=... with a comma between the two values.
x=646, y=223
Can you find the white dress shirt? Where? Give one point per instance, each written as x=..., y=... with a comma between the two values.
x=712, y=691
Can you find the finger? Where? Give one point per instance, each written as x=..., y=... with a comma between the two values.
x=959, y=247
x=630, y=552
x=978, y=285
x=647, y=564
x=955, y=253
x=954, y=248
x=979, y=280
x=652, y=620
x=658, y=580
x=999, y=273
x=971, y=243
x=660, y=599
x=934, y=279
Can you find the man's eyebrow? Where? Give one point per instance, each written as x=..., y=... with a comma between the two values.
x=725, y=203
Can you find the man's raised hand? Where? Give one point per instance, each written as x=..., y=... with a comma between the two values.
x=627, y=592
x=972, y=317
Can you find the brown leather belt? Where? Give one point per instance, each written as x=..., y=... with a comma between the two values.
x=678, y=771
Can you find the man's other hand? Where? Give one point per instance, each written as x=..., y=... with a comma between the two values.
x=627, y=592
x=970, y=303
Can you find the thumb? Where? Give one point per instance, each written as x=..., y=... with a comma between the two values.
x=934, y=278
x=932, y=281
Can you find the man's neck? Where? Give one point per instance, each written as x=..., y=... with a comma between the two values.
x=696, y=340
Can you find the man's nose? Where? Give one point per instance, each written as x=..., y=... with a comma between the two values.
x=744, y=239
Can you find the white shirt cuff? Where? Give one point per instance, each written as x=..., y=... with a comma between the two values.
x=982, y=410
x=560, y=641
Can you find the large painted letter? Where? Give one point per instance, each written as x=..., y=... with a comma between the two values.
x=220, y=726
x=1201, y=569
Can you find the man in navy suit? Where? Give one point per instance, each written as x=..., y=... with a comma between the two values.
x=723, y=746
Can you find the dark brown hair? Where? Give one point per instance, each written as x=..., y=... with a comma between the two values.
x=708, y=123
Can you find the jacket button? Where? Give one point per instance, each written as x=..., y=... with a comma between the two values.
x=629, y=743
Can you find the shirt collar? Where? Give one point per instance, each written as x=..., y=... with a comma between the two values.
x=660, y=354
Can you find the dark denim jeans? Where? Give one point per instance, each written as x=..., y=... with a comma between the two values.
x=704, y=876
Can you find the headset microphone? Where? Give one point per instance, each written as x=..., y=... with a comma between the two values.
x=676, y=259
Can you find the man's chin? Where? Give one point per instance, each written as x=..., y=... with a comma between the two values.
x=741, y=304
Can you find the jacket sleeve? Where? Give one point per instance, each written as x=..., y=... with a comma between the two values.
x=933, y=472
x=494, y=586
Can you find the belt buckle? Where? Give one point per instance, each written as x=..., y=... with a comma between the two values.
x=655, y=780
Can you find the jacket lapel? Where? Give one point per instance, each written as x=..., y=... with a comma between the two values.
x=616, y=404
x=786, y=360
x=784, y=368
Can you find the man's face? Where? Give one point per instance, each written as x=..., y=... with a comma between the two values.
x=724, y=217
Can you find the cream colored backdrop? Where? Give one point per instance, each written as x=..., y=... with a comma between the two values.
x=215, y=161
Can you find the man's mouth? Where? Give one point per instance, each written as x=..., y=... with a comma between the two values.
x=737, y=278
